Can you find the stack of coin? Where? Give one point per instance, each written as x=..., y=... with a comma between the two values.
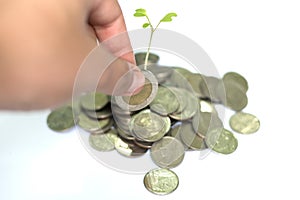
x=173, y=113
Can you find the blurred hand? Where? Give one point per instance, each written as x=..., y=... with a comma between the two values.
x=43, y=44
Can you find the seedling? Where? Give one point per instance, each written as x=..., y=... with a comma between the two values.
x=142, y=13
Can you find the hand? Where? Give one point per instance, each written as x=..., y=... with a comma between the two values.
x=43, y=44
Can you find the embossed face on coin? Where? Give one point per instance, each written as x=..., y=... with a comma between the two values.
x=221, y=141
x=148, y=126
x=161, y=181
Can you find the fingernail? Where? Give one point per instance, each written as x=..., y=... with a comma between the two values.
x=137, y=83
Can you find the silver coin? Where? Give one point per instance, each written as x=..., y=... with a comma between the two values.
x=99, y=114
x=105, y=128
x=213, y=85
x=190, y=138
x=167, y=152
x=104, y=142
x=204, y=121
x=161, y=181
x=244, y=123
x=192, y=105
x=116, y=110
x=142, y=144
x=92, y=125
x=176, y=131
x=237, y=79
x=122, y=122
x=93, y=101
x=165, y=101
x=181, y=98
x=161, y=73
x=236, y=98
x=149, y=126
x=221, y=140
x=125, y=134
x=198, y=84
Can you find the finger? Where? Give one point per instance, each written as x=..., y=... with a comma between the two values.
x=107, y=19
x=99, y=72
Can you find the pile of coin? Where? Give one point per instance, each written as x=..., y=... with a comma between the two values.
x=174, y=113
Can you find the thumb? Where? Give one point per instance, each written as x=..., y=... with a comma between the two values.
x=106, y=73
x=121, y=78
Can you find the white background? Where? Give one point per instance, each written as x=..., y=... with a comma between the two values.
x=259, y=39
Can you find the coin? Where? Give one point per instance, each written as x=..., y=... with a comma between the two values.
x=167, y=152
x=143, y=98
x=180, y=97
x=116, y=110
x=142, y=144
x=128, y=148
x=104, y=129
x=125, y=134
x=99, y=114
x=140, y=58
x=179, y=78
x=221, y=140
x=192, y=106
x=103, y=142
x=236, y=98
x=175, y=131
x=61, y=119
x=93, y=101
x=122, y=122
x=162, y=73
x=165, y=101
x=182, y=71
x=161, y=181
x=190, y=138
x=92, y=125
x=149, y=126
x=237, y=79
x=244, y=123
x=198, y=85
x=212, y=89
x=204, y=121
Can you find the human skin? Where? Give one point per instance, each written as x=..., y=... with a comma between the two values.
x=43, y=44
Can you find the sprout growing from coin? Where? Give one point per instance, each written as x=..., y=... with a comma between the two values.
x=142, y=13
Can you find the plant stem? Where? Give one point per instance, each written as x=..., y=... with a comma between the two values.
x=148, y=51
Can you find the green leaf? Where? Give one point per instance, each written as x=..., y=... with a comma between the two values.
x=168, y=17
x=146, y=25
x=140, y=12
x=139, y=15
